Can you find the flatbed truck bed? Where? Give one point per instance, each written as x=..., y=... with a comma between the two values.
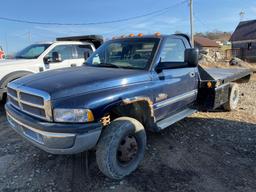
x=228, y=75
x=215, y=85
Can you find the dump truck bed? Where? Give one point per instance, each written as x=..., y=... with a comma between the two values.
x=96, y=40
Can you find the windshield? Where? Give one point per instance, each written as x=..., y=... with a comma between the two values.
x=134, y=53
x=32, y=51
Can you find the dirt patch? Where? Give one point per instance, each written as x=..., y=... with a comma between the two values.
x=214, y=151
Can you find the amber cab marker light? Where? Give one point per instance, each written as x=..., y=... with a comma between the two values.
x=209, y=84
x=140, y=35
x=157, y=34
x=131, y=35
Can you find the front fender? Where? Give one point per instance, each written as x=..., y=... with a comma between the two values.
x=102, y=101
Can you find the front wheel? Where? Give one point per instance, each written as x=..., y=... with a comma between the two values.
x=233, y=98
x=121, y=147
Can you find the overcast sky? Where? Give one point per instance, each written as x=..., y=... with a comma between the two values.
x=209, y=15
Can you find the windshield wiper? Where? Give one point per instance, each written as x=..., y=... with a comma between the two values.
x=107, y=65
x=21, y=57
x=129, y=67
x=110, y=65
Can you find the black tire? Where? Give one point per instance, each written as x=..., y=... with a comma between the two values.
x=107, y=154
x=4, y=98
x=233, y=99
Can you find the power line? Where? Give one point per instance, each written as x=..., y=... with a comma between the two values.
x=124, y=27
x=200, y=21
x=92, y=23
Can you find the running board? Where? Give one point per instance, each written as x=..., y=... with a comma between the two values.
x=174, y=118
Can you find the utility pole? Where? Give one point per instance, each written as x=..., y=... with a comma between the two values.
x=191, y=22
x=6, y=45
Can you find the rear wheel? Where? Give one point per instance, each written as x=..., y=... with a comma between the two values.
x=233, y=98
x=121, y=147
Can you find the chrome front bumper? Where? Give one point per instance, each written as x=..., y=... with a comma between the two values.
x=53, y=142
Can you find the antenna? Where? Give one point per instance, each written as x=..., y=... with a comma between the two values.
x=241, y=14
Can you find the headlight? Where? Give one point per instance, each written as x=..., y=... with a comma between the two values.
x=73, y=115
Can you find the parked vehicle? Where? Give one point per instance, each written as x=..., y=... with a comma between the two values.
x=2, y=54
x=64, y=52
x=127, y=87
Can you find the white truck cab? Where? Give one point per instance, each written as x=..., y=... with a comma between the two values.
x=38, y=57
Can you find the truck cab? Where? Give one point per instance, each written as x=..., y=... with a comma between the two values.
x=45, y=56
x=127, y=87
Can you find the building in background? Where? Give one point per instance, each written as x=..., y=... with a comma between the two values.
x=205, y=43
x=208, y=48
x=244, y=41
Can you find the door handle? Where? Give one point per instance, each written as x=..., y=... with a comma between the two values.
x=192, y=74
x=73, y=65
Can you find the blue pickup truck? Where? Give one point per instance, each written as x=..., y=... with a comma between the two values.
x=129, y=86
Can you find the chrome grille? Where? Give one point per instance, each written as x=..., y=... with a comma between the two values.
x=31, y=101
x=31, y=98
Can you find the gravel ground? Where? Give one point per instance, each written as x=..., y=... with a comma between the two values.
x=212, y=151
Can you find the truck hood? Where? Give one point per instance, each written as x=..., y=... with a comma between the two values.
x=12, y=62
x=80, y=80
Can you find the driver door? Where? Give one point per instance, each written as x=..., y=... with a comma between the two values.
x=66, y=55
x=177, y=85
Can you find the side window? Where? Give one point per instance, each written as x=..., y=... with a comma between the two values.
x=173, y=51
x=81, y=49
x=66, y=52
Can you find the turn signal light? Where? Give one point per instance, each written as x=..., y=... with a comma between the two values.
x=90, y=116
x=140, y=35
x=131, y=35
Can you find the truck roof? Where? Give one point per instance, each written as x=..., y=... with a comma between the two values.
x=152, y=36
x=63, y=42
x=157, y=35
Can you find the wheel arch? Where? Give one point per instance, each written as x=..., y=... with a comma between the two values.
x=13, y=76
x=140, y=108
